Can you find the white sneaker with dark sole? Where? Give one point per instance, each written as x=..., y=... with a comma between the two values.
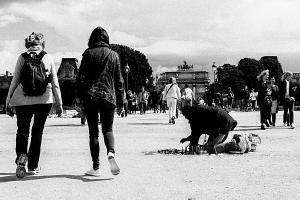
x=113, y=165
x=34, y=171
x=93, y=172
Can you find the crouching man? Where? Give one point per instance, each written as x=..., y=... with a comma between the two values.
x=212, y=121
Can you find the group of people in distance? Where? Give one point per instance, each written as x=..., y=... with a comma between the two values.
x=270, y=95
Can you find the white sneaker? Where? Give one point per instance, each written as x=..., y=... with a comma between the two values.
x=34, y=171
x=293, y=126
x=114, y=167
x=93, y=172
x=284, y=124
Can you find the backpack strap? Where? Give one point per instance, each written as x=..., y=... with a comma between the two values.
x=40, y=55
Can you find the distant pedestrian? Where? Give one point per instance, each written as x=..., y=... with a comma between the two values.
x=275, y=98
x=187, y=96
x=252, y=98
x=262, y=93
x=230, y=97
x=101, y=89
x=29, y=103
x=162, y=102
x=287, y=93
x=245, y=97
x=143, y=100
x=171, y=95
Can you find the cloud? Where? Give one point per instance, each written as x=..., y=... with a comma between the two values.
x=119, y=37
x=8, y=19
x=205, y=31
x=8, y=54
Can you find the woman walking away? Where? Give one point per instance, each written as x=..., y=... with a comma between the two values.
x=287, y=93
x=32, y=96
x=101, y=89
x=275, y=98
x=172, y=94
x=261, y=97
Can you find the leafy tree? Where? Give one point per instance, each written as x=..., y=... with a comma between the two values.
x=140, y=72
x=275, y=69
x=229, y=76
x=250, y=69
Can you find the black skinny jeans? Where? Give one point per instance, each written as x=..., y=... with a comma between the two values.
x=92, y=107
x=24, y=116
x=288, y=107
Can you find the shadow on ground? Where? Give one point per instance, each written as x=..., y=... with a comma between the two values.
x=148, y=123
x=11, y=177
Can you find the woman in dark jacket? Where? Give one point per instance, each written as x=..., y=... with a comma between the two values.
x=261, y=97
x=101, y=89
x=287, y=93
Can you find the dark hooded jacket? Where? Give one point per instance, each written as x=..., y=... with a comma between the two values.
x=99, y=74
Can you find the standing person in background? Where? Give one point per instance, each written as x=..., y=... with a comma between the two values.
x=230, y=97
x=261, y=97
x=287, y=93
x=187, y=96
x=143, y=100
x=275, y=98
x=171, y=95
x=101, y=89
x=162, y=102
x=154, y=100
x=129, y=97
x=125, y=104
x=245, y=98
x=30, y=105
x=252, y=98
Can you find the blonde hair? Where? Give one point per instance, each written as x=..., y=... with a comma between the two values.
x=286, y=74
x=263, y=73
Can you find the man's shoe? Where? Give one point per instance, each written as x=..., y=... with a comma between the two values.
x=93, y=172
x=113, y=165
x=262, y=127
x=21, y=162
x=173, y=120
x=34, y=171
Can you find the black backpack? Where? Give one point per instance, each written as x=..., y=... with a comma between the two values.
x=33, y=74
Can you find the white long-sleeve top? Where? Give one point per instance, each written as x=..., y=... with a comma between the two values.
x=173, y=92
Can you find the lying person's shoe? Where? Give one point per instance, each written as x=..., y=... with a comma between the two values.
x=93, y=172
x=114, y=167
x=34, y=171
x=21, y=162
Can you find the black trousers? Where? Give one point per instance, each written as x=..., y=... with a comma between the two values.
x=107, y=110
x=288, y=107
x=24, y=116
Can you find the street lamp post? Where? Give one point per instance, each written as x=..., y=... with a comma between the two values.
x=214, y=68
x=127, y=68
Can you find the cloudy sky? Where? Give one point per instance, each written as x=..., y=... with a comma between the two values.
x=166, y=31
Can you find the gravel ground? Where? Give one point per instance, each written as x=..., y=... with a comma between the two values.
x=272, y=172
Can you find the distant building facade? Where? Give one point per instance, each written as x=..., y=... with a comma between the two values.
x=198, y=81
x=4, y=86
